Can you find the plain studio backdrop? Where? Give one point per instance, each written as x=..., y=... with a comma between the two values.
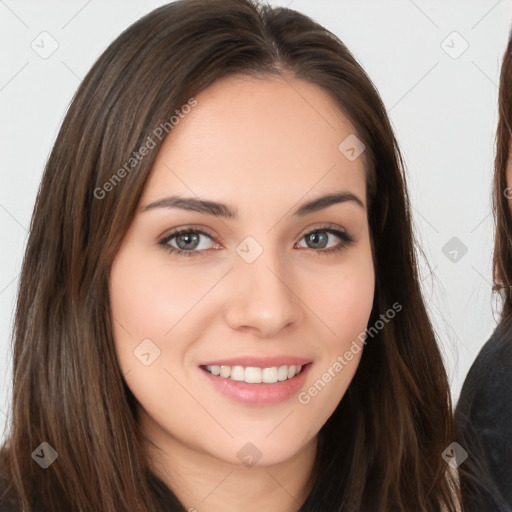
x=436, y=65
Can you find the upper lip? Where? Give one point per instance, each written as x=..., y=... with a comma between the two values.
x=259, y=361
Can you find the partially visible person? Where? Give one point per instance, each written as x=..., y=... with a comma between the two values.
x=484, y=410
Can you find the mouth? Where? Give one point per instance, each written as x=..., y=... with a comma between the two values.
x=254, y=385
x=255, y=374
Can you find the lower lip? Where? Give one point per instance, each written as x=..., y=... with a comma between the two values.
x=258, y=394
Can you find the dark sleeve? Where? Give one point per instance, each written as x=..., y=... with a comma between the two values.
x=484, y=427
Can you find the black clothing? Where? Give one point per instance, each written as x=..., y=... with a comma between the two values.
x=484, y=426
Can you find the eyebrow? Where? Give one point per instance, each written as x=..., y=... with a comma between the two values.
x=223, y=210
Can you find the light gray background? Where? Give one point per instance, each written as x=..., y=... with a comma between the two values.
x=443, y=109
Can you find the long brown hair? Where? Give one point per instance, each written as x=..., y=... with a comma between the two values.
x=502, y=196
x=381, y=448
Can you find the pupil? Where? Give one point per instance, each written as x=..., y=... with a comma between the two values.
x=316, y=237
x=186, y=237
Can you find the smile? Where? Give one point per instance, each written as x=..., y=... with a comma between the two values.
x=255, y=375
x=256, y=386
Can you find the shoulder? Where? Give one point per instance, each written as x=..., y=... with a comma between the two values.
x=488, y=385
x=484, y=424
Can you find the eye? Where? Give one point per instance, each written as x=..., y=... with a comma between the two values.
x=318, y=238
x=187, y=241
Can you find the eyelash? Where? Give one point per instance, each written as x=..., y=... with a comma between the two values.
x=346, y=240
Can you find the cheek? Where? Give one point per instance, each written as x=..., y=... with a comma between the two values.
x=345, y=304
x=148, y=299
x=343, y=298
x=351, y=304
x=141, y=307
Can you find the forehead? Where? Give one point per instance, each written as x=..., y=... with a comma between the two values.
x=252, y=138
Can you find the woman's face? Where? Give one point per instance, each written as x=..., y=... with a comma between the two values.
x=263, y=290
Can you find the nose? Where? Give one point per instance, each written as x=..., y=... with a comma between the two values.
x=264, y=297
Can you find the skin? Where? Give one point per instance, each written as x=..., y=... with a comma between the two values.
x=264, y=147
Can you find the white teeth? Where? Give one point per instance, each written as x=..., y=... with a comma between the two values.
x=282, y=373
x=254, y=375
x=215, y=369
x=269, y=375
x=237, y=373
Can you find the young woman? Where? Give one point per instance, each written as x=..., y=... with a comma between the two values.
x=484, y=409
x=219, y=307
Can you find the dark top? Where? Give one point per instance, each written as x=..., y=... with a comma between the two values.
x=484, y=426
x=7, y=498
x=166, y=500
